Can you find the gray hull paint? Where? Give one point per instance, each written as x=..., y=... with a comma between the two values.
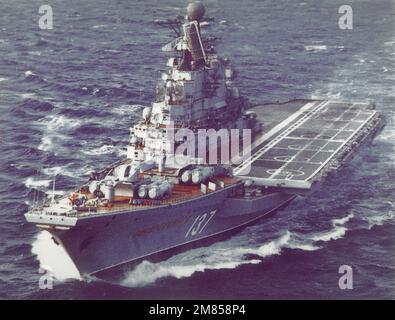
x=99, y=243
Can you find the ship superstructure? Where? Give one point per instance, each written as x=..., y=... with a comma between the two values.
x=156, y=200
x=196, y=92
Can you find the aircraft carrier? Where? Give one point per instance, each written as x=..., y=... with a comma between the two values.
x=156, y=201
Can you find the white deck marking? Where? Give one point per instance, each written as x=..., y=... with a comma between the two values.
x=308, y=114
x=285, y=176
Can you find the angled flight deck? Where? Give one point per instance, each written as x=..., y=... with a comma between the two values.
x=302, y=148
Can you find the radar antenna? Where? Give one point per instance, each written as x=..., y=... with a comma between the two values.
x=174, y=24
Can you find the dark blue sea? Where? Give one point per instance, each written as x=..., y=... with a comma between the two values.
x=69, y=95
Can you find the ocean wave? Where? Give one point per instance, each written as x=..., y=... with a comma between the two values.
x=46, y=144
x=342, y=221
x=68, y=171
x=128, y=109
x=54, y=258
x=31, y=76
x=56, y=131
x=55, y=122
x=34, y=104
x=37, y=183
x=26, y=95
x=3, y=42
x=379, y=220
x=334, y=234
x=379, y=216
x=35, y=53
x=316, y=47
x=99, y=26
x=231, y=254
x=105, y=149
x=54, y=171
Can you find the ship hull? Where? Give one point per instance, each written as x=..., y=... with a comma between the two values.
x=103, y=243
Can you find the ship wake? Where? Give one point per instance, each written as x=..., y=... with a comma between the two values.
x=231, y=254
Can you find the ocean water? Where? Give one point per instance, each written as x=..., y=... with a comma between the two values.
x=68, y=96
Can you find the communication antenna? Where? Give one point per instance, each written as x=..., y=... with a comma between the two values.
x=53, y=189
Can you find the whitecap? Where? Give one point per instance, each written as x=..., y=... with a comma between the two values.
x=337, y=232
x=27, y=95
x=128, y=109
x=29, y=73
x=317, y=47
x=33, y=183
x=55, y=122
x=99, y=26
x=223, y=255
x=334, y=234
x=378, y=219
x=231, y=254
x=342, y=221
x=46, y=144
x=52, y=171
x=105, y=149
x=34, y=53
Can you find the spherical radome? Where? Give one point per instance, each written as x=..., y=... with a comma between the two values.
x=195, y=11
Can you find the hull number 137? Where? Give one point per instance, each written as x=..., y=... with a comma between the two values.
x=200, y=223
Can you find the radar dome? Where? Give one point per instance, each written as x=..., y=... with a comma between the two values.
x=195, y=11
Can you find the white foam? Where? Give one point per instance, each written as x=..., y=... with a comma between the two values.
x=46, y=144
x=128, y=109
x=334, y=234
x=379, y=219
x=56, y=122
x=55, y=128
x=32, y=183
x=34, y=53
x=27, y=95
x=223, y=255
x=104, y=149
x=342, y=221
x=52, y=171
x=67, y=171
x=316, y=47
x=273, y=247
x=230, y=254
x=53, y=257
x=147, y=272
x=29, y=73
x=3, y=79
x=99, y=26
